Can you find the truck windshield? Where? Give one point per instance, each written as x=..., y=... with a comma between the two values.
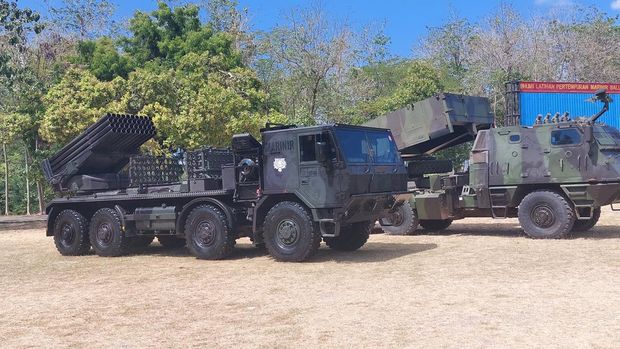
x=607, y=136
x=362, y=146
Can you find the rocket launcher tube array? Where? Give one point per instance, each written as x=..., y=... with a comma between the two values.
x=104, y=147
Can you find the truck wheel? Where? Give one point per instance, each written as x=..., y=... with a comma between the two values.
x=71, y=233
x=208, y=233
x=545, y=214
x=169, y=241
x=585, y=225
x=404, y=221
x=289, y=232
x=351, y=238
x=106, y=235
x=435, y=224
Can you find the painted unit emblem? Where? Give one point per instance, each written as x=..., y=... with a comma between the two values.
x=279, y=164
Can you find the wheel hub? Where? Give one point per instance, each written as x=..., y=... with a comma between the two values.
x=396, y=218
x=205, y=234
x=543, y=216
x=105, y=234
x=67, y=234
x=287, y=232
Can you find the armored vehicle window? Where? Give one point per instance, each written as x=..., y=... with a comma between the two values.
x=360, y=146
x=515, y=138
x=382, y=147
x=568, y=136
x=307, y=146
x=354, y=145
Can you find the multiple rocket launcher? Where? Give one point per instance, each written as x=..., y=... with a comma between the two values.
x=102, y=149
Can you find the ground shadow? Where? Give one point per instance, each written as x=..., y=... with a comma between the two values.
x=501, y=229
x=513, y=230
x=372, y=252
x=600, y=232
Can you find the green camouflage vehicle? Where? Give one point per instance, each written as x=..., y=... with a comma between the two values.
x=299, y=186
x=554, y=176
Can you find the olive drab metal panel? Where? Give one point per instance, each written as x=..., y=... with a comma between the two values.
x=436, y=123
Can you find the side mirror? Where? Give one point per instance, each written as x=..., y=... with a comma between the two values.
x=322, y=152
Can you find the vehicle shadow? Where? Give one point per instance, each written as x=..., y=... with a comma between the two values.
x=514, y=230
x=599, y=232
x=372, y=252
x=509, y=230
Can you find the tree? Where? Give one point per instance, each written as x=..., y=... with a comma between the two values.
x=309, y=50
x=448, y=47
x=191, y=80
x=11, y=126
x=84, y=19
x=406, y=82
x=103, y=59
x=78, y=100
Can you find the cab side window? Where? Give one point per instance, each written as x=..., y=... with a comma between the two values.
x=565, y=137
x=307, y=146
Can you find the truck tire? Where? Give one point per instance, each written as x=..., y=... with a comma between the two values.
x=169, y=241
x=404, y=221
x=435, y=224
x=106, y=235
x=290, y=233
x=351, y=238
x=546, y=214
x=585, y=225
x=208, y=233
x=71, y=233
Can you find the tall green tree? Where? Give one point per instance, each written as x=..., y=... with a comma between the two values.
x=190, y=78
x=11, y=126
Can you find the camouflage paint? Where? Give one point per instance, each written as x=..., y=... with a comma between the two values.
x=508, y=162
x=436, y=123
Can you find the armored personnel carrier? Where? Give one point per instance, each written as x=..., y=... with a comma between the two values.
x=554, y=176
x=299, y=186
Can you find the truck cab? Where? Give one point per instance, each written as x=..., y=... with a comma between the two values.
x=342, y=174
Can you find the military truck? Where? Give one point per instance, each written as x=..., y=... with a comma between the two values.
x=299, y=186
x=554, y=176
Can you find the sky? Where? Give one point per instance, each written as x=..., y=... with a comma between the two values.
x=404, y=21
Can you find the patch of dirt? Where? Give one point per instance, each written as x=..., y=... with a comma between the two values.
x=479, y=284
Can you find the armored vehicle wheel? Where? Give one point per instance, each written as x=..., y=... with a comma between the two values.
x=208, y=233
x=435, y=224
x=139, y=243
x=71, y=233
x=106, y=235
x=404, y=221
x=545, y=214
x=169, y=241
x=289, y=232
x=351, y=238
x=585, y=225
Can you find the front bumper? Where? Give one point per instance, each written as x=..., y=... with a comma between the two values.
x=371, y=206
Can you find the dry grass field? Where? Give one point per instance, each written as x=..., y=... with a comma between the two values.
x=481, y=284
